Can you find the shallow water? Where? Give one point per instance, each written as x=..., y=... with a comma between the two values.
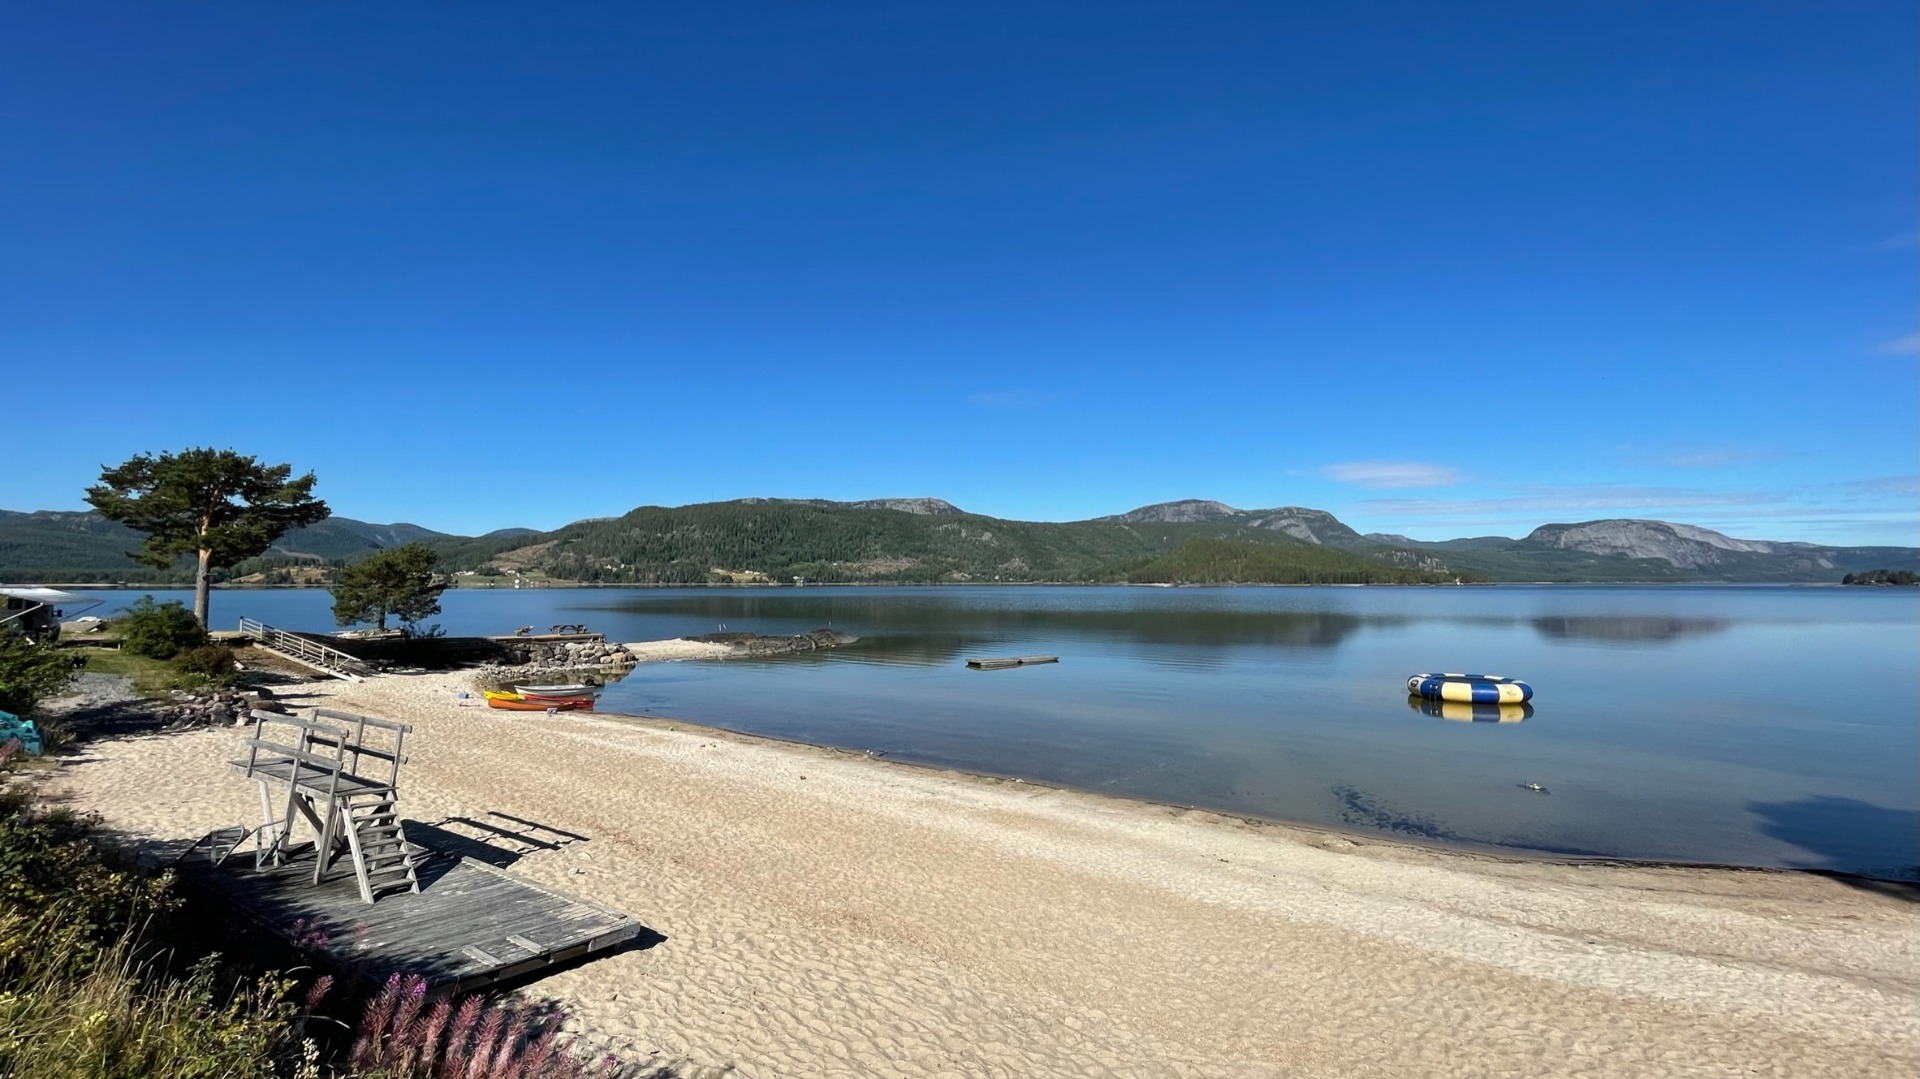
x=1754, y=725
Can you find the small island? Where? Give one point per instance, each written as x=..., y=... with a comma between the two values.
x=1883, y=576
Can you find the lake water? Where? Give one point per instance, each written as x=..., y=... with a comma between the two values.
x=1768, y=726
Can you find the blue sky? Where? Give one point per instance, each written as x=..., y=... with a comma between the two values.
x=1443, y=269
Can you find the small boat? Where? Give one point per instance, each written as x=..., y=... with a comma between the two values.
x=576, y=689
x=1470, y=688
x=514, y=703
x=545, y=698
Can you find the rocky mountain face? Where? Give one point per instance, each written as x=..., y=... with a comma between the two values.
x=1185, y=511
x=1686, y=546
x=1306, y=525
x=925, y=507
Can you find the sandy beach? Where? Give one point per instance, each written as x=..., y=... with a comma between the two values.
x=825, y=914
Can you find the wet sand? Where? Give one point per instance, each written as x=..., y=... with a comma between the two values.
x=825, y=914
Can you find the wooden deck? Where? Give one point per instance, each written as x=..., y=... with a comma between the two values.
x=470, y=925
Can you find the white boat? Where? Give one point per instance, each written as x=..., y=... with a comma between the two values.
x=577, y=689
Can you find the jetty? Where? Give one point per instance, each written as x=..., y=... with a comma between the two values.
x=301, y=648
x=1010, y=661
x=364, y=892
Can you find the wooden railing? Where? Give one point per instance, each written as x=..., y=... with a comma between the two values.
x=304, y=650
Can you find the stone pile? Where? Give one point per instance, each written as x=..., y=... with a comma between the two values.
x=594, y=653
x=218, y=707
x=752, y=644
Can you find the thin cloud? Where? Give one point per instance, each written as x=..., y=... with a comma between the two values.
x=1899, y=241
x=1393, y=475
x=1897, y=486
x=1572, y=499
x=1903, y=346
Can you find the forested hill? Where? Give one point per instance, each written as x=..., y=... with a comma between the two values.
x=826, y=542
x=69, y=547
x=924, y=540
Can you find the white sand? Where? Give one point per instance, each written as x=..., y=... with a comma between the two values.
x=830, y=915
x=653, y=651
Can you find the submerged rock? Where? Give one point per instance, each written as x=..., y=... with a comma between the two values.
x=753, y=644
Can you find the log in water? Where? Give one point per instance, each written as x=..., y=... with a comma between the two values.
x=1011, y=661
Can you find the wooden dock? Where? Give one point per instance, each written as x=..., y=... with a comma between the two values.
x=1010, y=661
x=469, y=925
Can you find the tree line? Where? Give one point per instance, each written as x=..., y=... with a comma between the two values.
x=1882, y=576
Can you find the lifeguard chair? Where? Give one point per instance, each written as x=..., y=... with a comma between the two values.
x=340, y=774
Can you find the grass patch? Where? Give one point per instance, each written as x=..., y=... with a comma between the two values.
x=152, y=678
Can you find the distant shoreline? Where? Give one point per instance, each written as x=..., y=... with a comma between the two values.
x=184, y=586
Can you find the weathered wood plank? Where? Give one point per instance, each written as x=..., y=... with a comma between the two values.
x=463, y=908
x=1009, y=661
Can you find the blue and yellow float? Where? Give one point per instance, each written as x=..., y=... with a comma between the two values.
x=1470, y=688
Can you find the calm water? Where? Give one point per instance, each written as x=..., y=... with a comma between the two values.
x=1757, y=725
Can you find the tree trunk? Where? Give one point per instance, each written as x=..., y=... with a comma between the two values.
x=201, y=583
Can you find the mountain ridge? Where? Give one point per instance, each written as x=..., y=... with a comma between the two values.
x=932, y=540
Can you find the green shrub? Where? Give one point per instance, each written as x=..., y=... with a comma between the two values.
x=159, y=630
x=60, y=901
x=212, y=661
x=29, y=672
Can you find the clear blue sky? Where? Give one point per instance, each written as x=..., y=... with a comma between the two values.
x=1441, y=268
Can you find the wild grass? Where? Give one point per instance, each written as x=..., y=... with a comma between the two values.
x=406, y=1035
x=124, y=1017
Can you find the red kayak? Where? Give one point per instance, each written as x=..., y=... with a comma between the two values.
x=529, y=703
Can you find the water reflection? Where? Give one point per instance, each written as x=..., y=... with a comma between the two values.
x=1264, y=700
x=959, y=618
x=1625, y=627
x=1462, y=712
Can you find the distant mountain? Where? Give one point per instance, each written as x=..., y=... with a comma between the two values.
x=1637, y=550
x=344, y=537
x=1310, y=526
x=1187, y=511
x=84, y=546
x=928, y=540
x=930, y=507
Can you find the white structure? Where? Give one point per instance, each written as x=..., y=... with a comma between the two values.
x=38, y=612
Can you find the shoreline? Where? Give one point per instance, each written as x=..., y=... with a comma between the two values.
x=187, y=586
x=819, y=916
x=1462, y=848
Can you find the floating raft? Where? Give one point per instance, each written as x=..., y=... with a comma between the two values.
x=1470, y=688
x=1010, y=661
